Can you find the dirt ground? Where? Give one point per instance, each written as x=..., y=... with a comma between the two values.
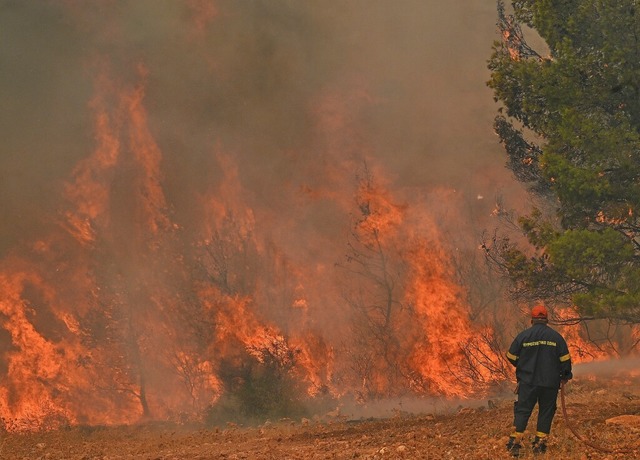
x=472, y=432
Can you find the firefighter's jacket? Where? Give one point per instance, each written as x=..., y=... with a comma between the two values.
x=541, y=357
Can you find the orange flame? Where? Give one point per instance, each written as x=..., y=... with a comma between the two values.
x=125, y=311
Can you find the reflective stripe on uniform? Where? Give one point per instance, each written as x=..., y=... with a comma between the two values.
x=538, y=343
x=511, y=357
x=564, y=358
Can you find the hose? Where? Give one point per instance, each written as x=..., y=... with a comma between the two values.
x=581, y=438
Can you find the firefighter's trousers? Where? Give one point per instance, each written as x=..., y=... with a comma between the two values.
x=528, y=397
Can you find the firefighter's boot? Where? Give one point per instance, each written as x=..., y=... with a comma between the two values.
x=539, y=445
x=513, y=446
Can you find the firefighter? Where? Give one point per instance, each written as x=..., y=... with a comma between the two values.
x=542, y=361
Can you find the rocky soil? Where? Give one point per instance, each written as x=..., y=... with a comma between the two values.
x=604, y=410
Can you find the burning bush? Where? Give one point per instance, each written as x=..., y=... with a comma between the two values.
x=260, y=385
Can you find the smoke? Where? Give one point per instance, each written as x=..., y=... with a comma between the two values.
x=250, y=76
x=607, y=368
x=140, y=135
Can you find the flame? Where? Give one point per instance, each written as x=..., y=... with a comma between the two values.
x=233, y=302
x=381, y=217
x=88, y=192
x=32, y=360
x=203, y=13
x=512, y=44
x=443, y=319
x=147, y=312
x=596, y=341
x=411, y=313
x=125, y=308
x=53, y=364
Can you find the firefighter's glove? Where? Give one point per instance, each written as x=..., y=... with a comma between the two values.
x=566, y=376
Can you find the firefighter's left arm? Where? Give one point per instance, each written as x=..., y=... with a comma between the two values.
x=565, y=361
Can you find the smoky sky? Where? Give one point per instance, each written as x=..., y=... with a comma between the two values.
x=250, y=78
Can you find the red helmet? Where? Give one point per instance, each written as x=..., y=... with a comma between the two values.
x=539, y=312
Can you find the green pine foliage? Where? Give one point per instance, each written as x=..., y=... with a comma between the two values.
x=570, y=124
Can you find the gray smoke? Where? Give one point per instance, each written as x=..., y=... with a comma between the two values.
x=410, y=72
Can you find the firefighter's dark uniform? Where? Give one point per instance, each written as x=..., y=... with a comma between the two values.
x=542, y=360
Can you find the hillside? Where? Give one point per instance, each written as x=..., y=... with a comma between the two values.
x=470, y=432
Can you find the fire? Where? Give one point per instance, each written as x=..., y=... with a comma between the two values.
x=597, y=340
x=56, y=312
x=203, y=12
x=411, y=320
x=33, y=360
x=88, y=192
x=443, y=319
x=232, y=301
x=132, y=304
x=45, y=384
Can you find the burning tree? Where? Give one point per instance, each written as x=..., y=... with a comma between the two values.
x=410, y=329
x=379, y=323
x=118, y=212
x=264, y=367
x=172, y=278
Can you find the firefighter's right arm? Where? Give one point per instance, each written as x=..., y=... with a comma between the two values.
x=514, y=352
